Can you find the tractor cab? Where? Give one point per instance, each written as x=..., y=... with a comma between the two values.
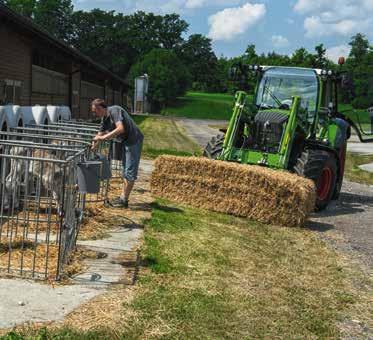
x=279, y=86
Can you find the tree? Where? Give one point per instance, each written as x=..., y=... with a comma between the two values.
x=24, y=7
x=55, y=17
x=170, y=30
x=148, y=31
x=301, y=58
x=360, y=67
x=359, y=47
x=250, y=56
x=104, y=37
x=197, y=53
x=168, y=76
x=320, y=57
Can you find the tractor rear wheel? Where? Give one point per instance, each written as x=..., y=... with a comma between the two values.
x=321, y=167
x=214, y=147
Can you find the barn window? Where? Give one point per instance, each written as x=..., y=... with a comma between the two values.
x=10, y=91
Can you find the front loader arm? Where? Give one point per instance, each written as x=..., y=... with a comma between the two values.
x=289, y=133
x=241, y=98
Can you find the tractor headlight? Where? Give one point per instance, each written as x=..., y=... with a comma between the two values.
x=251, y=67
x=256, y=67
x=324, y=72
x=330, y=72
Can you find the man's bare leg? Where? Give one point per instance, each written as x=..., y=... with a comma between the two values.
x=127, y=188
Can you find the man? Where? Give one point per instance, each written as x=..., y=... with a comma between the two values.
x=117, y=123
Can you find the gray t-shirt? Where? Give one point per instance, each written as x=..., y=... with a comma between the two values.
x=132, y=134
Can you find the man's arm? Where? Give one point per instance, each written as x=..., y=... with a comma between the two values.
x=117, y=131
x=96, y=141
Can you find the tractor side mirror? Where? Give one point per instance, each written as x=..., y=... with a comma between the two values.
x=346, y=82
x=233, y=73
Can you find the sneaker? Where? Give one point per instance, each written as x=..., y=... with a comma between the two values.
x=119, y=202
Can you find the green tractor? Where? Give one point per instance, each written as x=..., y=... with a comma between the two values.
x=293, y=123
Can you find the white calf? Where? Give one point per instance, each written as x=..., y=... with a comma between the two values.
x=47, y=175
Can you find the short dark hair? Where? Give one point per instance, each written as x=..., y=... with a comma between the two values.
x=99, y=102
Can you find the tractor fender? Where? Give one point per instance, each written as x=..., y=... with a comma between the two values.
x=338, y=133
x=342, y=132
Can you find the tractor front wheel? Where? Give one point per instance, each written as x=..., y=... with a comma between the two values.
x=214, y=147
x=321, y=167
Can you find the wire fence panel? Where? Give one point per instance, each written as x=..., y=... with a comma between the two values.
x=70, y=136
x=38, y=207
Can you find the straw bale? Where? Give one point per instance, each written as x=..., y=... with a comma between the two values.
x=262, y=194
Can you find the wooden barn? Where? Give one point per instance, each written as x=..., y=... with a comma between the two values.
x=37, y=69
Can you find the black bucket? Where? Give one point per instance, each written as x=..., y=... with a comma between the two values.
x=105, y=166
x=89, y=177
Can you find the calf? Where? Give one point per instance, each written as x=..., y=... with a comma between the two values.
x=45, y=174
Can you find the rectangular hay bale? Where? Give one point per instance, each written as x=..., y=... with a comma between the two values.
x=262, y=194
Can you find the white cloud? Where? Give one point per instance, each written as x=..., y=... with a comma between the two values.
x=336, y=17
x=228, y=23
x=333, y=53
x=279, y=41
x=195, y=3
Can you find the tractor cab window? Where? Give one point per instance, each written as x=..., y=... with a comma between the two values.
x=359, y=112
x=328, y=100
x=279, y=85
x=362, y=120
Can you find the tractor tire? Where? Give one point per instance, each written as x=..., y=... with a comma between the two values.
x=214, y=147
x=321, y=167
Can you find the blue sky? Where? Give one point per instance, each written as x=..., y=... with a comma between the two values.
x=272, y=25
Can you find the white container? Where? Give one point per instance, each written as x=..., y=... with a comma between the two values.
x=4, y=123
x=35, y=115
x=54, y=113
x=14, y=115
x=65, y=112
x=28, y=116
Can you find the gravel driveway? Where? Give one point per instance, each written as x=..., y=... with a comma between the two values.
x=347, y=223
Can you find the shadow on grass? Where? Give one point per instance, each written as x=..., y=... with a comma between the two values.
x=165, y=208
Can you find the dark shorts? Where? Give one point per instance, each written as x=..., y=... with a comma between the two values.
x=131, y=161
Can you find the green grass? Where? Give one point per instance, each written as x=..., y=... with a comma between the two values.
x=165, y=136
x=354, y=173
x=215, y=276
x=202, y=106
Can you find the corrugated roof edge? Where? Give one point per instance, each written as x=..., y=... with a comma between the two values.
x=31, y=26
